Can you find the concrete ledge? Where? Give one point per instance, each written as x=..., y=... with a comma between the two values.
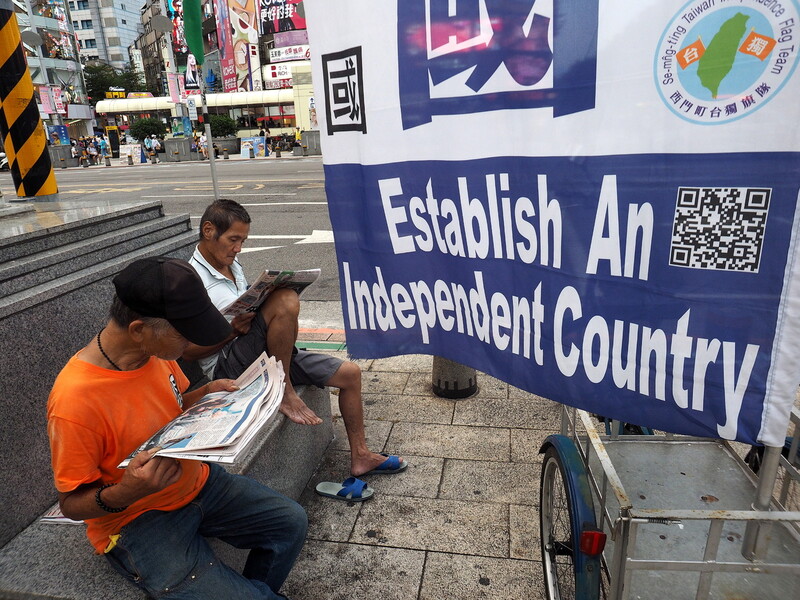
x=48, y=561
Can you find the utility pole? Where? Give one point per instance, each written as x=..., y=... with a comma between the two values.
x=24, y=138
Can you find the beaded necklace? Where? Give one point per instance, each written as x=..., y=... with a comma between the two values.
x=103, y=352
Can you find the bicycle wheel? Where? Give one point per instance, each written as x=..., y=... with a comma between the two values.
x=566, y=517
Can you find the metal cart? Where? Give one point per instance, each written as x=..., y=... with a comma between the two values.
x=666, y=517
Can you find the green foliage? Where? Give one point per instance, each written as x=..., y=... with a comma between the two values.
x=222, y=126
x=142, y=128
x=131, y=79
x=100, y=77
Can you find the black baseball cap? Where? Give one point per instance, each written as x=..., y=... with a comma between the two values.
x=169, y=288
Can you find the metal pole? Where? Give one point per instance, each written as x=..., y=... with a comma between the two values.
x=210, y=141
x=756, y=535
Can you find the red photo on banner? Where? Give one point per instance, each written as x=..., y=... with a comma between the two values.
x=282, y=15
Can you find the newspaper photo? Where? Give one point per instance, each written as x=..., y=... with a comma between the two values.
x=265, y=284
x=220, y=426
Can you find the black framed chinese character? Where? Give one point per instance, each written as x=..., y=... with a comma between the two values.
x=344, y=91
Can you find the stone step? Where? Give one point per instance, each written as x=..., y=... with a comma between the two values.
x=43, y=267
x=108, y=268
x=19, y=238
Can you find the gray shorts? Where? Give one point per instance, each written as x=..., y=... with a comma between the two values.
x=307, y=368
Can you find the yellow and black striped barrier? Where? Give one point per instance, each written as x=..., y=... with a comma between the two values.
x=24, y=140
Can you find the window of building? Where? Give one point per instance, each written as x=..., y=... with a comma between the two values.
x=82, y=4
x=122, y=6
x=72, y=6
x=124, y=22
x=91, y=43
x=75, y=25
x=86, y=24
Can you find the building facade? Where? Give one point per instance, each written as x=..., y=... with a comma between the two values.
x=51, y=51
x=105, y=29
x=256, y=67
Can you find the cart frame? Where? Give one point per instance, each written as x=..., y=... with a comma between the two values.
x=617, y=515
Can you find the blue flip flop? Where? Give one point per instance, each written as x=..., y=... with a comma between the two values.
x=351, y=489
x=393, y=464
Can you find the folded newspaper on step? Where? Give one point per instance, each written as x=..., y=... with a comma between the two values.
x=220, y=426
x=268, y=282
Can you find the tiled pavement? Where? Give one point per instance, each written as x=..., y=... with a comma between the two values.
x=460, y=523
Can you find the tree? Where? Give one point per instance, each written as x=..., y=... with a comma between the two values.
x=222, y=126
x=142, y=128
x=99, y=78
x=131, y=79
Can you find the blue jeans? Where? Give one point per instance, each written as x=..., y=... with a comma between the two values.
x=166, y=553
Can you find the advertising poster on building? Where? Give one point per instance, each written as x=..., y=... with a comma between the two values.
x=594, y=201
x=175, y=10
x=58, y=101
x=225, y=43
x=243, y=16
x=282, y=15
x=58, y=135
x=46, y=100
x=288, y=53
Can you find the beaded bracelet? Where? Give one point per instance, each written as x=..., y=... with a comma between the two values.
x=102, y=504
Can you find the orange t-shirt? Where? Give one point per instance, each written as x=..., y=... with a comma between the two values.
x=96, y=417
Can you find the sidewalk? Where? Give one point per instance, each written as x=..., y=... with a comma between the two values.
x=460, y=523
x=115, y=162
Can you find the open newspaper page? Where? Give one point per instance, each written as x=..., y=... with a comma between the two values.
x=265, y=284
x=216, y=426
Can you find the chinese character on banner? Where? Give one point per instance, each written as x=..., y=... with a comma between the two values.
x=691, y=53
x=757, y=45
x=344, y=91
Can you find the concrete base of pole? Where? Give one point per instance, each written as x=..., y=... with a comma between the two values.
x=452, y=380
x=43, y=198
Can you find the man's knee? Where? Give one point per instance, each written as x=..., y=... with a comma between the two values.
x=347, y=376
x=283, y=303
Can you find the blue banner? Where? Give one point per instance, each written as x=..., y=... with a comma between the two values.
x=595, y=202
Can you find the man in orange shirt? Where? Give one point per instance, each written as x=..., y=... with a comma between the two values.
x=150, y=519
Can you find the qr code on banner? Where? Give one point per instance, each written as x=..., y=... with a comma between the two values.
x=719, y=228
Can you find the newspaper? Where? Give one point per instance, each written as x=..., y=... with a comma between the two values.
x=55, y=516
x=265, y=284
x=220, y=426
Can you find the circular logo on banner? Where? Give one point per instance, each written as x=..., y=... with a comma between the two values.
x=721, y=60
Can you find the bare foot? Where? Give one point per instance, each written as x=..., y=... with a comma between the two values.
x=293, y=407
x=364, y=464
